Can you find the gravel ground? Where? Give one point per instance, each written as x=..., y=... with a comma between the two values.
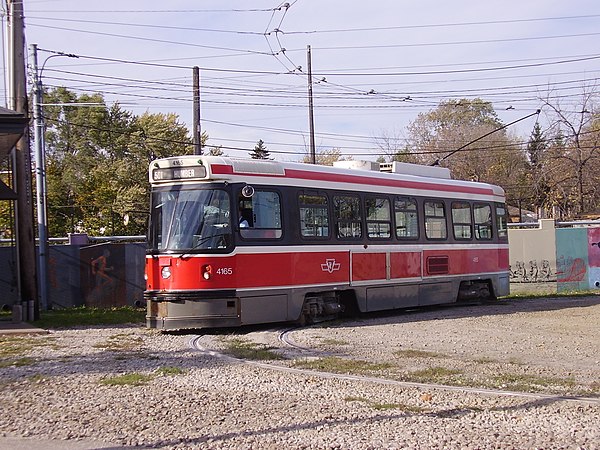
x=59, y=385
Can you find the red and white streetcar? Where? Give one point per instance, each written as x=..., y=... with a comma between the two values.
x=240, y=241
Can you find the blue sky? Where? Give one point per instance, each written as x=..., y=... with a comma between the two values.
x=383, y=62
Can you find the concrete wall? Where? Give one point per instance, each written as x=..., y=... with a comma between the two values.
x=554, y=259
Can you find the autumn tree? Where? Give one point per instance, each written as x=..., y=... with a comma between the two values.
x=452, y=135
x=97, y=163
x=394, y=148
x=326, y=157
x=537, y=165
x=574, y=133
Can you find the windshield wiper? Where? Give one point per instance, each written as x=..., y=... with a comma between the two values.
x=200, y=242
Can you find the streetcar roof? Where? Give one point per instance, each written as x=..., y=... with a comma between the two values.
x=357, y=175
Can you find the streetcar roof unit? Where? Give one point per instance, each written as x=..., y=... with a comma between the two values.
x=351, y=175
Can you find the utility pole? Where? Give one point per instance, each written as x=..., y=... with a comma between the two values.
x=22, y=168
x=40, y=180
x=311, y=120
x=197, y=133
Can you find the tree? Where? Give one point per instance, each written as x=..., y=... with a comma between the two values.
x=260, y=151
x=326, y=157
x=436, y=135
x=392, y=149
x=97, y=163
x=575, y=133
x=536, y=175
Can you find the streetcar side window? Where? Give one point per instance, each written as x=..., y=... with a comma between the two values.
x=435, y=220
x=314, y=216
x=347, y=215
x=262, y=212
x=461, y=220
x=483, y=221
x=379, y=221
x=407, y=220
x=501, y=221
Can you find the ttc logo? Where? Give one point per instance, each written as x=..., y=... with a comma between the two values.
x=330, y=266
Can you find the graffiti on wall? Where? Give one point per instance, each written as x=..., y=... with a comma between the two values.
x=569, y=269
x=532, y=272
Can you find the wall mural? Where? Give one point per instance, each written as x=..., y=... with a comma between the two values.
x=532, y=272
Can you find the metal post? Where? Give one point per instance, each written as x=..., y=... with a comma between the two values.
x=311, y=120
x=197, y=133
x=40, y=180
x=28, y=293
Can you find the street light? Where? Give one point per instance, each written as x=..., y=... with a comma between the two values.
x=40, y=173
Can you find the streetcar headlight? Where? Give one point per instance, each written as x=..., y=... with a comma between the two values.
x=166, y=272
x=207, y=272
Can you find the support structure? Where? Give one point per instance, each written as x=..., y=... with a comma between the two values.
x=40, y=181
x=26, y=254
x=311, y=120
x=197, y=133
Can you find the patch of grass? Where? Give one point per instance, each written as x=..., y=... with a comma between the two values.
x=550, y=293
x=342, y=365
x=121, y=342
x=37, y=378
x=531, y=383
x=11, y=346
x=386, y=406
x=412, y=353
x=355, y=399
x=129, y=379
x=85, y=316
x=435, y=375
x=330, y=341
x=170, y=370
x=17, y=362
x=242, y=349
x=485, y=360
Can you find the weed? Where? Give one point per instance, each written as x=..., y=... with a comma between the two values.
x=11, y=346
x=242, y=349
x=435, y=375
x=411, y=353
x=385, y=406
x=129, y=379
x=170, y=370
x=530, y=383
x=121, y=342
x=17, y=362
x=342, y=365
x=330, y=341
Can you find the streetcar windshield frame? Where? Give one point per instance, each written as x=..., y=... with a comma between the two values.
x=190, y=221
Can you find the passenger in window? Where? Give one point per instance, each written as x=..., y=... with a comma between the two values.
x=243, y=222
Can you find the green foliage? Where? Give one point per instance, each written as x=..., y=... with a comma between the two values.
x=83, y=316
x=97, y=163
x=260, y=151
x=240, y=348
x=129, y=379
x=343, y=365
x=326, y=157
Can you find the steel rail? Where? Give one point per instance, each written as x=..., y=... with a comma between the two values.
x=195, y=344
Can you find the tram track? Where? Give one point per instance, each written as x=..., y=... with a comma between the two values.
x=284, y=336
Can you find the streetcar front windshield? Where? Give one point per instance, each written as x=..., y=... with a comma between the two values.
x=190, y=220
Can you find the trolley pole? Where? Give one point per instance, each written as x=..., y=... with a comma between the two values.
x=197, y=133
x=40, y=180
x=311, y=120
